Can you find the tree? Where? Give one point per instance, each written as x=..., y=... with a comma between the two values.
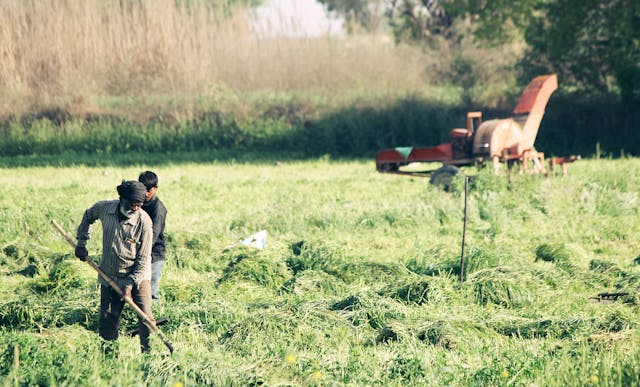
x=593, y=45
x=357, y=13
x=417, y=20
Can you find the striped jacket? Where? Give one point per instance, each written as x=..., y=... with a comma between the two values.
x=126, y=244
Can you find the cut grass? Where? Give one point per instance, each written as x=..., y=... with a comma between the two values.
x=358, y=284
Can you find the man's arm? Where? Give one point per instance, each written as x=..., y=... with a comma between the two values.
x=84, y=229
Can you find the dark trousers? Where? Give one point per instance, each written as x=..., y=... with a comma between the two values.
x=111, y=308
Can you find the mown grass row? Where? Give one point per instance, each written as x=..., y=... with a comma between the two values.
x=486, y=283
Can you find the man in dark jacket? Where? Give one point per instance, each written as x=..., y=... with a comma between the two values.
x=158, y=214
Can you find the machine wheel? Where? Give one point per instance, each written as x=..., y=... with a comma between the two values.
x=443, y=176
x=388, y=167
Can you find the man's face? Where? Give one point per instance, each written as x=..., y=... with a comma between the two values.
x=129, y=206
x=151, y=193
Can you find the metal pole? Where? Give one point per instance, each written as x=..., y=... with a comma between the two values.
x=464, y=226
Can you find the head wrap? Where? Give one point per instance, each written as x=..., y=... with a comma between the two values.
x=132, y=191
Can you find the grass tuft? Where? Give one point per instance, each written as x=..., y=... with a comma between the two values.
x=497, y=286
x=249, y=265
x=316, y=256
x=602, y=266
x=62, y=277
x=437, y=334
x=367, y=310
x=408, y=369
x=412, y=293
x=314, y=283
x=556, y=253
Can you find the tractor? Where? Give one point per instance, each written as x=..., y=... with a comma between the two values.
x=506, y=141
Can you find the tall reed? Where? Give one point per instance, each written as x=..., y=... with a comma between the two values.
x=94, y=56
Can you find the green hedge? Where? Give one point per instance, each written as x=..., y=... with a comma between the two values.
x=569, y=127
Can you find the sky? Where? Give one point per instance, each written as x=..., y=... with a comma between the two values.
x=295, y=18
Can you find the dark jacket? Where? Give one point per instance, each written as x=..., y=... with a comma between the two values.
x=158, y=214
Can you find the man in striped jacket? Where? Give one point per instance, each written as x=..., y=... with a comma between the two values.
x=127, y=237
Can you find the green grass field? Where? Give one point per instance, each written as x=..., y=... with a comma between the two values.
x=358, y=284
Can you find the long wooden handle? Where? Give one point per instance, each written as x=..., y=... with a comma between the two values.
x=147, y=321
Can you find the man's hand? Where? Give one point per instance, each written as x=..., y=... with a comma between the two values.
x=82, y=253
x=127, y=292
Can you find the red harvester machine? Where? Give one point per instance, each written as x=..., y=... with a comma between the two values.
x=509, y=141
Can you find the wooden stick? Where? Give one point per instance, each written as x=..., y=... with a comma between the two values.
x=145, y=319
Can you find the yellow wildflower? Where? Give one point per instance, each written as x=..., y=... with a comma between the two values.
x=290, y=359
x=505, y=374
